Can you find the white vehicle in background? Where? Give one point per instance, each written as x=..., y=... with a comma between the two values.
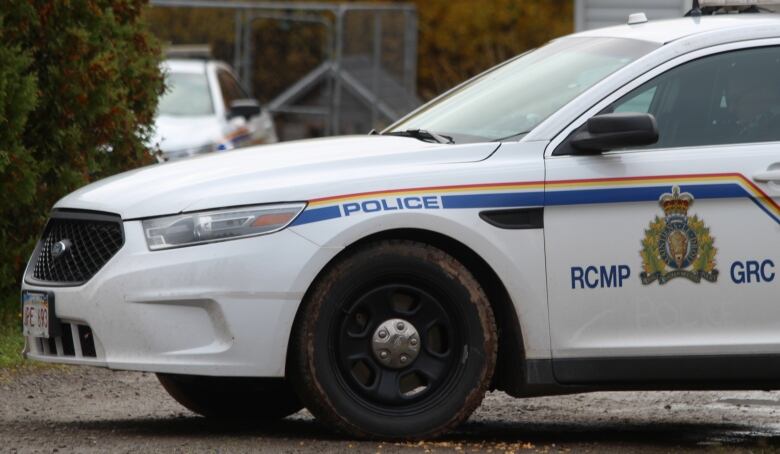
x=601, y=213
x=205, y=109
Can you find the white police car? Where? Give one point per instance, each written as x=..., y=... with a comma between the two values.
x=602, y=213
x=205, y=108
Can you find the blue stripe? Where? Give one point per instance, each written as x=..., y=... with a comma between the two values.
x=510, y=199
x=761, y=205
x=642, y=194
x=715, y=191
x=317, y=214
x=612, y=195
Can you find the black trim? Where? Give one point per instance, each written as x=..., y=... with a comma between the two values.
x=697, y=11
x=716, y=370
x=546, y=377
x=67, y=213
x=68, y=347
x=87, y=341
x=85, y=215
x=565, y=148
x=516, y=219
x=538, y=380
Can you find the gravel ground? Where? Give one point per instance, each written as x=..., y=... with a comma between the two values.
x=94, y=410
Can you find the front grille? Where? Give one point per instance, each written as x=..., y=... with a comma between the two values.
x=75, y=341
x=89, y=241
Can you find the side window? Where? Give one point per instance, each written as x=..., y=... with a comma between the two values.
x=639, y=103
x=231, y=89
x=732, y=97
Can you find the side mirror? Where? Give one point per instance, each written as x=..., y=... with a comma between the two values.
x=246, y=108
x=614, y=131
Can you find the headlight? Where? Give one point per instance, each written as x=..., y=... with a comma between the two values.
x=210, y=226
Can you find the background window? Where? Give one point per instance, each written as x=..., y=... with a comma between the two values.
x=187, y=94
x=231, y=89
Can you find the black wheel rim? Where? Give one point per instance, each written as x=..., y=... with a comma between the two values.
x=417, y=385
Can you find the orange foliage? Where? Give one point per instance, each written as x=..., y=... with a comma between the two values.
x=457, y=39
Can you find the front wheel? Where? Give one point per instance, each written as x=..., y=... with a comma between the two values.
x=264, y=399
x=397, y=340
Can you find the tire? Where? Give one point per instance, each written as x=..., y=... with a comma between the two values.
x=232, y=397
x=337, y=343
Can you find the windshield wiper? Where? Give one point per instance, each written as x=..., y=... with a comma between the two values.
x=422, y=134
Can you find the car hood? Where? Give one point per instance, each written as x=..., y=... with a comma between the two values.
x=292, y=171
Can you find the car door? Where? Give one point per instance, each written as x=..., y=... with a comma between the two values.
x=663, y=261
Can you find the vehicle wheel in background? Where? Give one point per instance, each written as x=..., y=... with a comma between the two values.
x=232, y=397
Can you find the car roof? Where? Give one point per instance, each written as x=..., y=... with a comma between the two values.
x=665, y=31
x=181, y=65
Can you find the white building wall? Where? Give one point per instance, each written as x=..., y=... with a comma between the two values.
x=589, y=14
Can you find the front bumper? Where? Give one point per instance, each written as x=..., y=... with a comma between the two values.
x=223, y=309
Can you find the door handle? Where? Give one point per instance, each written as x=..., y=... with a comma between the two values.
x=768, y=176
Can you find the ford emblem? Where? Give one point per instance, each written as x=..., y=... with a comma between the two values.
x=60, y=248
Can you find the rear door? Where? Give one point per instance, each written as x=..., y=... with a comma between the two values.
x=663, y=261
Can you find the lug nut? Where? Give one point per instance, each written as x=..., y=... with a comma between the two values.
x=383, y=354
x=413, y=341
x=382, y=334
x=400, y=326
x=404, y=358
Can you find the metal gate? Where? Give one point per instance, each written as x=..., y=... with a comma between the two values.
x=368, y=77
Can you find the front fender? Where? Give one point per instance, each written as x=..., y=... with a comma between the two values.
x=516, y=256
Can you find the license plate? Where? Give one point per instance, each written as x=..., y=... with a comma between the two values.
x=37, y=314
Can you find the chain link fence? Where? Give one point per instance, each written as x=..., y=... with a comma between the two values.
x=321, y=68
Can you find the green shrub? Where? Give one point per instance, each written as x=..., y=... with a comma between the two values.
x=79, y=83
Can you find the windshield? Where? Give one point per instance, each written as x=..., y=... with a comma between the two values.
x=515, y=97
x=187, y=94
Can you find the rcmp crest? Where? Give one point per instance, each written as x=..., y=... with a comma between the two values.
x=678, y=245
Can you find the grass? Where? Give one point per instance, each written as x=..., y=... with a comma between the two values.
x=11, y=344
x=11, y=341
